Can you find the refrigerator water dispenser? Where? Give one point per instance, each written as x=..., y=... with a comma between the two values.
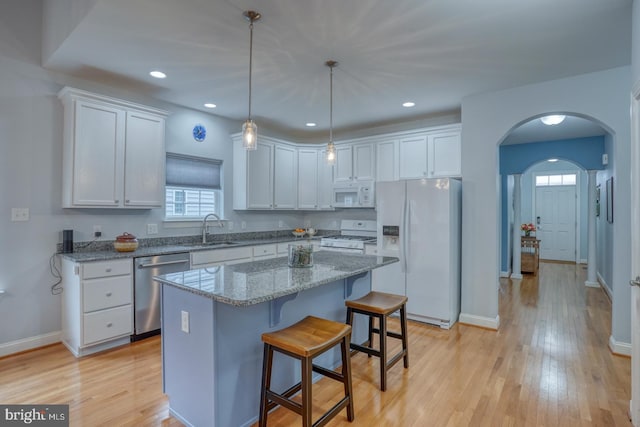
x=390, y=237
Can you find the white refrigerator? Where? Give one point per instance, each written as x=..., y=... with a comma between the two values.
x=419, y=222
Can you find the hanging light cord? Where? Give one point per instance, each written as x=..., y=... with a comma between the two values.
x=250, y=62
x=331, y=104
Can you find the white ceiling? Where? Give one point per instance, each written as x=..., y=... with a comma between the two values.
x=432, y=52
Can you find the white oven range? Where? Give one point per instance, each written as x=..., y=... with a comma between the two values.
x=352, y=238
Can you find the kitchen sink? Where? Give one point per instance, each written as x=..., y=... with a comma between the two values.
x=226, y=243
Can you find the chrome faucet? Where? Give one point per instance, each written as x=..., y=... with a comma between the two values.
x=204, y=226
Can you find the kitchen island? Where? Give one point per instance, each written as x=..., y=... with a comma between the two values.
x=212, y=320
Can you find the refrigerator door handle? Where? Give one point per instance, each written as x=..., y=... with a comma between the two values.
x=407, y=234
x=403, y=238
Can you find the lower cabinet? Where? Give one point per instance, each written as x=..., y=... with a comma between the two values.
x=215, y=257
x=97, y=305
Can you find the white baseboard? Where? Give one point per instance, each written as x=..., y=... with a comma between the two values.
x=481, y=321
x=604, y=286
x=29, y=343
x=619, y=348
x=505, y=273
x=582, y=261
x=591, y=284
x=516, y=276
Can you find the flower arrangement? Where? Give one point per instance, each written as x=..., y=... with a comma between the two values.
x=527, y=228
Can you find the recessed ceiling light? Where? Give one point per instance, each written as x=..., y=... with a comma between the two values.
x=157, y=74
x=552, y=160
x=310, y=124
x=552, y=120
x=409, y=104
x=210, y=105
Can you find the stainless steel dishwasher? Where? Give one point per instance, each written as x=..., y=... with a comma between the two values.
x=146, y=298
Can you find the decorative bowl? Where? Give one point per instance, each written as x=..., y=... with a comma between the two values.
x=125, y=243
x=311, y=232
x=298, y=233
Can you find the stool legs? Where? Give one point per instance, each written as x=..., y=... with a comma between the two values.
x=306, y=391
x=346, y=374
x=267, y=361
x=403, y=329
x=383, y=351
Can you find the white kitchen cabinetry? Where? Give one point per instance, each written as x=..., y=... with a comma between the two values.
x=113, y=152
x=97, y=305
x=315, y=180
x=215, y=257
x=387, y=162
x=430, y=155
x=355, y=162
x=261, y=252
x=265, y=178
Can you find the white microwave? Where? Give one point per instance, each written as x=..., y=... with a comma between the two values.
x=354, y=194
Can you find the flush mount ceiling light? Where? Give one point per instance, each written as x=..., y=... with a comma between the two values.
x=552, y=160
x=555, y=119
x=249, y=128
x=210, y=105
x=310, y=125
x=331, y=148
x=157, y=74
x=409, y=104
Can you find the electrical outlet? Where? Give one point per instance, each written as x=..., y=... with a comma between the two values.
x=243, y=225
x=19, y=214
x=185, y=321
x=281, y=224
x=152, y=228
x=97, y=230
x=230, y=225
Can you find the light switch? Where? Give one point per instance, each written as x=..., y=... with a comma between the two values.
x=185, y=321
x=19, y=214
x=152, y=228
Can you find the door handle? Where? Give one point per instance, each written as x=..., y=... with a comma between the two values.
x=158, y=264
x=538, y=220
x=635, y=282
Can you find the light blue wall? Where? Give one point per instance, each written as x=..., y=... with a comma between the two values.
x=604, y=230
x=526, y=159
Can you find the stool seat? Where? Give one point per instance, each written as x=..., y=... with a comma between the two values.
x=309, y=337
x=378, y=302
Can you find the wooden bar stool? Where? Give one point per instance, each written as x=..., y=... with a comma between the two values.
x=304, y=340
x=380, y=305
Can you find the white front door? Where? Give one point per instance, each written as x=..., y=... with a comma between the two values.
x=556, y=222
x=635, y=255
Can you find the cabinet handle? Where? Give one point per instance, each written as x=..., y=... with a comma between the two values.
x=117, y=201
x=126, y=201
x=108, y=294
x=108, y=270
x=109, y=325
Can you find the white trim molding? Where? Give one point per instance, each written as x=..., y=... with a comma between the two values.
x=619, y=348
x=505, y=273
x=604, y=286
x=480, y=321
x=30, y=343
x=516, y=276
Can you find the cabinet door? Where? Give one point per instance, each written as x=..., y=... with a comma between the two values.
x=444, y=154
x=144, y=160
x=260, y=177
x=325, y=182
x=344, y=164
x=387, y=161
x=285, y=178
x=413, y=157
x=308, y=187
x=98, y=152
x=364, y=162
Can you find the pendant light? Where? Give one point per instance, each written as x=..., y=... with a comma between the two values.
x=331, y=148
x=249, y=128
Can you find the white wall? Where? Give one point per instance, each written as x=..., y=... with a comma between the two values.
x=486, y=120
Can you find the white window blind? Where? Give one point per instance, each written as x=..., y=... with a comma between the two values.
x=193, y=172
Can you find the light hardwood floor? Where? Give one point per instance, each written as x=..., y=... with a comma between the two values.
x=548, y=365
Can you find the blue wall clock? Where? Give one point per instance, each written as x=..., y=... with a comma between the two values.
x=199, y=133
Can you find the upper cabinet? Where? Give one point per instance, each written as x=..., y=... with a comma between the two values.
x=387, y=161
x=355, y=162
x=315, y=180
x=265, y=178
x=432, y=154
x=113, y=152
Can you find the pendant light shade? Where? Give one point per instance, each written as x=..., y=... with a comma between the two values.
x=331, y=148
x=249, y=128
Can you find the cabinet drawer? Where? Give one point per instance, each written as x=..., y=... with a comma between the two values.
x=219, y=255
x=106, y=292
x=116, y=267
x=106, y=324
x=264, y=250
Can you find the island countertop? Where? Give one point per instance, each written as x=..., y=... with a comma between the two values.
x=259, y=281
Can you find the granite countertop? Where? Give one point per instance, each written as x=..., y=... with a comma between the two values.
x=259, y=281
x=103, y=255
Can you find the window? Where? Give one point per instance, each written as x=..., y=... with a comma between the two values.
x=193, y=187
x=565, y=179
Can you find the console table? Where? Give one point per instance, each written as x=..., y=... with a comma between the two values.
x=530, y=259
